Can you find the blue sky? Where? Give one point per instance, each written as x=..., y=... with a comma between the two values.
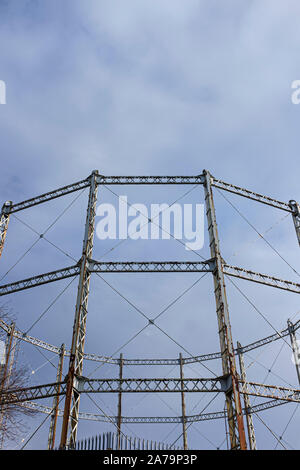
x=145, y=87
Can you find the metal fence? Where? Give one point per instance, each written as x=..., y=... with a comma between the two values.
x=109, y=441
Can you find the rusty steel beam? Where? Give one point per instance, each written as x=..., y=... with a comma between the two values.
x=72, y=400
x=54, y=414
x=232, y=396
x=249, y=418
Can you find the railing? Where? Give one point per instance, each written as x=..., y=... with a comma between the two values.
x=109, y=441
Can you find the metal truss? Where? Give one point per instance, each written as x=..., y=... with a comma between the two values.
x=152, y=180
x=93, y=266
x=251, y=195
x=152, y=419
x=39, y=280
x=151, y=267
x=55, y=409
x=232, y=395
x=50, y=195
x=261, y=278
x=152, y=385
x=164, y=419
x=75, y=383
x=270, y=391
x=82, y=385
x=72, y=400
x=32, y=393
x=127, y=180
x=148, y=362
x=268, y=339
x=247, y=403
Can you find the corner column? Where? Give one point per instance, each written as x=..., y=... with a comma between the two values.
x=232, y=396
x=71, y=409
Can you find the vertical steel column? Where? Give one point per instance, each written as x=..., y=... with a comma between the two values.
x=71, y=409
x=184, y=434
x=6, y=371
x=54, y=414
x=296, y=217
x=295, y=347
x=233, y=401
x=4, y=219
x=249, y=419
x=120, y=403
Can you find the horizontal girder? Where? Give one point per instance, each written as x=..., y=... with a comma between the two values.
x=152, y=385
x=39, y=280
x=31, y=393
x=251, y=195
x=50, y=195
x=107, y=180
x=141, y=362
x=260, y=278
x=269, y=391
x=84, y=385
x=150, y=266
x=152, y=180
x=153, y=419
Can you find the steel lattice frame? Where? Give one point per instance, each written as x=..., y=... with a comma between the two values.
x=230, y=383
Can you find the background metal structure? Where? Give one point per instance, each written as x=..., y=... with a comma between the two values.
x=75, y=383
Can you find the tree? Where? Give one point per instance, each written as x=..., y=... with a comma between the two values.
x=12, y=377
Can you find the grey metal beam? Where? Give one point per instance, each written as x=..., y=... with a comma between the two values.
x=232, y=396
x=31, y=393
x=150, y=266
x=119, y=421
x=55, y=410
x=151, y=362
x=153, y=385
x=183, y=409
x=154, y=419
x=39, y=280
x=152, y=180
x=250, y=195
x=128, y=180
x=249, y=419
x=270, y=391
x=72, y=400
x=70, y=188
x=260, y=278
